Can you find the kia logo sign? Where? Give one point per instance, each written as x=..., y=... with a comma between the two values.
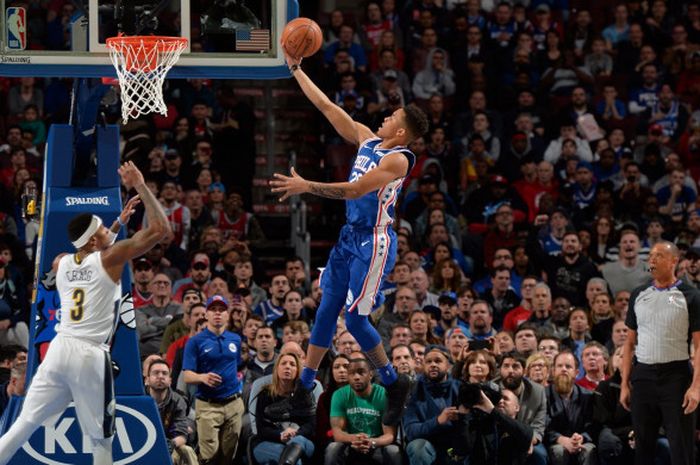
x=63, y=443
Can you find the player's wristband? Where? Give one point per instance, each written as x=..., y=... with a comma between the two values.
x=111, y=236
x=293, y=68
x=119, y=220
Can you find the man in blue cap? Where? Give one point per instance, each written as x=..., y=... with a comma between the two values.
x=211, y=362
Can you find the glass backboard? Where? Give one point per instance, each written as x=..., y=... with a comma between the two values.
x=228, y=39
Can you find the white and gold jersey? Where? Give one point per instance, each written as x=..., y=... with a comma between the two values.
x=88, y=299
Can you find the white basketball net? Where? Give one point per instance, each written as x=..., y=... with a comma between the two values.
x=142, y=64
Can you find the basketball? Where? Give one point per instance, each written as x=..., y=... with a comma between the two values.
x=302, y=38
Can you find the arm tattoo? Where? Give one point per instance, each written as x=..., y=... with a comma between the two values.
x=327, y=191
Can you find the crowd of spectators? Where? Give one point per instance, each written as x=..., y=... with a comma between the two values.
x=563, y=144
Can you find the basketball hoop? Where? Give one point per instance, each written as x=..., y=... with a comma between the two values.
x=142, y=62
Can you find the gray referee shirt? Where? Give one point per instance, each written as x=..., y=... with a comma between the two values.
x=664, y=319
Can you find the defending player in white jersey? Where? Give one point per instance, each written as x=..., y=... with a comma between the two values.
x=77, y=366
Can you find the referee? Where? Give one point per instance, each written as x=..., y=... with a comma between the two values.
x=661, y=388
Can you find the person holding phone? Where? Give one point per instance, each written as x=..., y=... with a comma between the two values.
x=633, y=192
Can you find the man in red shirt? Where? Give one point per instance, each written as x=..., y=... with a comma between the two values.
x=190, y=319
x=502, y=234
x=522, y=312
x=178, y=214
x=143, y=275
x=595, y=361
x=235, y=221
x=545, y=183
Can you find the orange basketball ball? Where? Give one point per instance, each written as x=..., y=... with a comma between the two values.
x=302, y=37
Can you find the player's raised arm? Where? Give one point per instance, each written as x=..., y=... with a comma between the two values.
x=141, y=242
x=348, y=129
x=123, y=218
x=393, y=166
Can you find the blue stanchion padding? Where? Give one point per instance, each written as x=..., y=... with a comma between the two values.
x=139, y=434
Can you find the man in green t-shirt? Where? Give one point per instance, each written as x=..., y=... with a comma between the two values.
x=356, y=419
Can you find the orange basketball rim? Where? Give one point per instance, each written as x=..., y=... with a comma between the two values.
x=142, y=62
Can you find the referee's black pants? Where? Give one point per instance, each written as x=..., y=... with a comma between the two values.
x=657, y=398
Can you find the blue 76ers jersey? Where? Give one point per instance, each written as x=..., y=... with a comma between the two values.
x=376, y=208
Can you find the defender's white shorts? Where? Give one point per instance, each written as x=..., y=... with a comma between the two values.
x=78, y=371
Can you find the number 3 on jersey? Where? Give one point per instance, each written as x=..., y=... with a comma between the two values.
x=76, y=312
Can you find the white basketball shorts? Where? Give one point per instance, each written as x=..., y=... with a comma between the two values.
x=78, y=371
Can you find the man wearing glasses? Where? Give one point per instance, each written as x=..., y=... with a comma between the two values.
x=211, y=363
x=152, y=319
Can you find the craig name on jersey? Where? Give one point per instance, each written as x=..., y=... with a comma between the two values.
x=79, y=275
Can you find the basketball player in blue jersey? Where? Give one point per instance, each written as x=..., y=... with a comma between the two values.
x=366, y=250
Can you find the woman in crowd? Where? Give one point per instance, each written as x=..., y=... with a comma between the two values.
x=602, y=240
x=18, y=178
x=550, y=56
x=155, y=163
x=387, y=41
x=204, y=180
x=443, y=251
x=293, y=311
x=619, y=335
x=537, y=369
x=478, y=366
x=446, y=277
x=436, y=216
x=282, y=437
x=338, y=379
x=419, y=322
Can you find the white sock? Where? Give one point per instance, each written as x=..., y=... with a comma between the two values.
x=101, y=451
x=19, y=433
